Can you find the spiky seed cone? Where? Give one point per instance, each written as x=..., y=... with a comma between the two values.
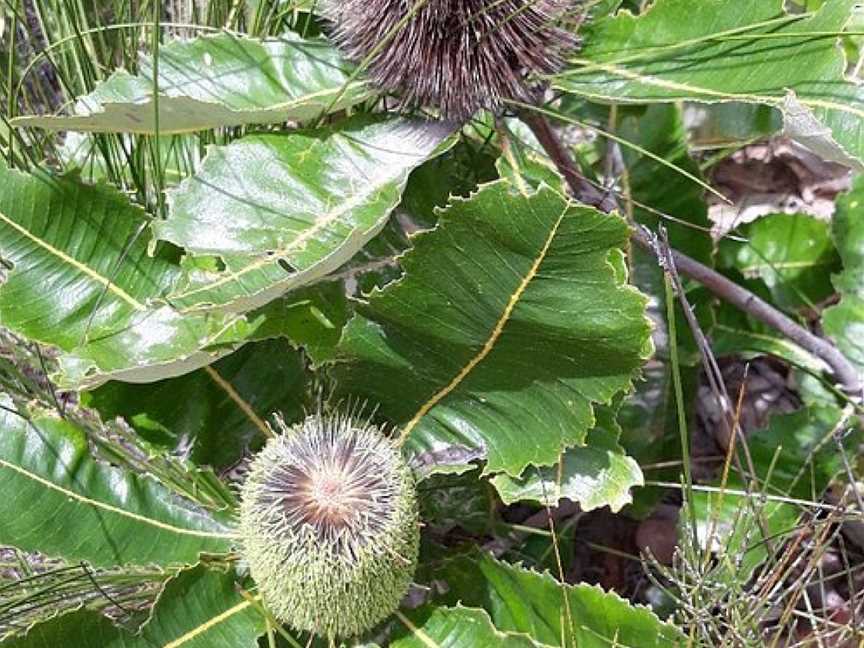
x=329, y=526
x=456, y=55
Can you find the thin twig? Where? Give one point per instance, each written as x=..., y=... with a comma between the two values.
x=709, y=362
x=566, y=165
x=718, y=386
x=843, y=370
x=540, y=520
x=730, y=292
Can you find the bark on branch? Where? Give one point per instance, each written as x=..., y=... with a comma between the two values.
x=844, y=371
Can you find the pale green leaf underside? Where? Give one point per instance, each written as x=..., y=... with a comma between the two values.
x=215, y=81
x=197, y=609
x=594, y=475
x=737, y=50
x=509, y=323
x=156, y=344
x=62, y=503
x=82, y=279
x=283, y=210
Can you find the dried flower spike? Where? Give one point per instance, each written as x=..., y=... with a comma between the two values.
x=329, y=526
x=457, y=55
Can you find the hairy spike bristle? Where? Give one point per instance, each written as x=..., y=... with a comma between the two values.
x=458, y=56
x=329, y=525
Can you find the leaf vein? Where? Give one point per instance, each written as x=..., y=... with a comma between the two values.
x=493, y=337
x=113, y=509
x=90, y=272
x=204, y=627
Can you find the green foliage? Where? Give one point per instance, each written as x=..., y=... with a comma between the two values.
x=197, y=608
x=98, y=513
x=660, y=191
x=463, y=501
x=456, y=626
x=528, y=319
x=844, y=321
x=213, y=81
x=792, y=254
x=735, y=333
x=521, y=600
x=794, y=457
x=238, y=226
x=597, y=474
x=207, y=411
x=304, y=205
x=735, y=51
x=81, y=280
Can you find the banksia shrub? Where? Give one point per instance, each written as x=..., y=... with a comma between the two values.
x=456, y=55
x=329, y=526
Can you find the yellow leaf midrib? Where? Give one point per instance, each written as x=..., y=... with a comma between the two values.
x=70, y=260
x=207, y=625
x=784, y=265
x=298, y=243
x=238, y=400
x=110, y=508
x=494, y=335
x=698, y=90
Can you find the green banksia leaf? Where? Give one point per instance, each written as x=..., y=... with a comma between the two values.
x=329, y=526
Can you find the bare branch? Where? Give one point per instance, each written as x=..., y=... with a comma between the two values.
x=843, y=370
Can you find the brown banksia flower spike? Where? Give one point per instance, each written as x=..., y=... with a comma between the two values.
x=329, y=525
x=458, y=56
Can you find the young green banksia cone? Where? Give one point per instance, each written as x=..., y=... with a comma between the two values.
x=456, y=55
x=329, y=526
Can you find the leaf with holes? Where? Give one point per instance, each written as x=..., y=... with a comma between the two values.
x=215, y=81
x=283, y=210
x=513, y=317
x=81, y=280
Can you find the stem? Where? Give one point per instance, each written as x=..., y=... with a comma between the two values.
x=548, y=138
x=680, y=406
x=542, y=519
x=844, y=371
x=729, y=291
